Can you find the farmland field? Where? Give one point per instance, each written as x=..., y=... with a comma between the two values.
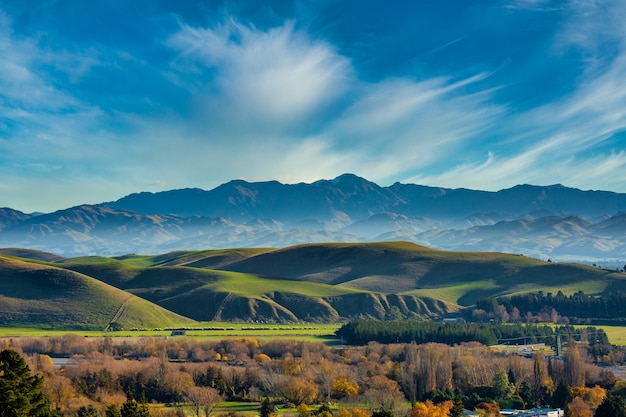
x=324, y=333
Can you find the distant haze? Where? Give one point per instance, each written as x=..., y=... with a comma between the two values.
x=553, y=222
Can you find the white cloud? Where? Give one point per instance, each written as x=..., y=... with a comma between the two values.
x=275, y=79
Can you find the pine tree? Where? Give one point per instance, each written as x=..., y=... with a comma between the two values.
x=88, y=411
x=112, y=411
x=132, y=408
x=20, y=392
x=267, y=408
x=612, y=406
x=458, y=408
x=562, y=395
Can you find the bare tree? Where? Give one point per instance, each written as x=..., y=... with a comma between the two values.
x=202, y=400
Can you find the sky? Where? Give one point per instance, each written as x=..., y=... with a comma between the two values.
x=100, y=99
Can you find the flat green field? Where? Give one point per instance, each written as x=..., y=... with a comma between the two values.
x=312, y=332
x=324, y=333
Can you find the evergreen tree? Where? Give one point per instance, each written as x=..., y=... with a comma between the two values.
x=132, y=408
x=267, y=408
x=502, y=388
x=112, y=411
x=88, y=411
x=526, y=392
x=20, y=392
x=612, y=406
x=562, y=395
x=458, y=408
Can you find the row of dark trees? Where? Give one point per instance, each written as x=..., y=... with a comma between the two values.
x=359, y=332
x=578, y=305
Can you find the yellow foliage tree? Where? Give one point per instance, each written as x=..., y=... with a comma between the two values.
x=353, y=412
x=579, y=408
x=592, y=396
x=428, y=409
x=342, y=388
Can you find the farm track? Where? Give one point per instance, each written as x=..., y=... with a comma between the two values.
x=121, y=312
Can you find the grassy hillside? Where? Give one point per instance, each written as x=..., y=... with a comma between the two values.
x=39, y=295
x=31, y=254
x=409, y=269
x=317, y=282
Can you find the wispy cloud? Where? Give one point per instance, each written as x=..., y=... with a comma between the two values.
x=227, y=95
x=277, y=78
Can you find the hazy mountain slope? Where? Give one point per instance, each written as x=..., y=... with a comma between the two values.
x=102, y=230
x=358, y=199
x=544, y=222
x=33, y=294
x=243, y=201
x=9, y=217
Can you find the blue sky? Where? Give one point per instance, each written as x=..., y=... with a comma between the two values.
x=101, y=99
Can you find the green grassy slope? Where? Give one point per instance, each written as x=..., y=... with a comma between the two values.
x=31, y=254
x=42, y=295
x=409, y=269
x=320, y=282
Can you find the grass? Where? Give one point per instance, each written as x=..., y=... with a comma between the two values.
x=253, y=286
x=299, y=281
x=311, y=332
x=455, y=293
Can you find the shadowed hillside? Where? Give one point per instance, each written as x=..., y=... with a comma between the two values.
x=40, y=295
x=316, y=282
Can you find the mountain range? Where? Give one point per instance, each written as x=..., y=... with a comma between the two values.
x=546, y=222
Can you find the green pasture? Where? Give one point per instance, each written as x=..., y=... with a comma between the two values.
x=324, y=333
x=454, y=293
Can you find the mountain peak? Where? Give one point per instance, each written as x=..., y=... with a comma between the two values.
x=348, y=178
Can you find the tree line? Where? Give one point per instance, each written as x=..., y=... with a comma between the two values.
x=358, y=332
x=575, y=306
x=120, y=376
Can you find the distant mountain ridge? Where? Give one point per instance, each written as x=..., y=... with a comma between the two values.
x=358, y=198
x=540, y=221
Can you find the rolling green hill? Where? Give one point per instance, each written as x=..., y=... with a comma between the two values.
x=409, y=269
x=314, y=282
x=32, y=294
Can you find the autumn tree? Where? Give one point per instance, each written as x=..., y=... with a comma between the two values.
x=612, y=406
x=592, y=397
x=488, y=409
x=202, y=400
x=428, y=409
x=578, y=408
x=297, y=390
x=541, y=381
x=343, y=388
x=573, y=366
x=352, y=412
x=20, y=392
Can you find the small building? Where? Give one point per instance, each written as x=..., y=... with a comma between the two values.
x=470, y=413
x=178, y=333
